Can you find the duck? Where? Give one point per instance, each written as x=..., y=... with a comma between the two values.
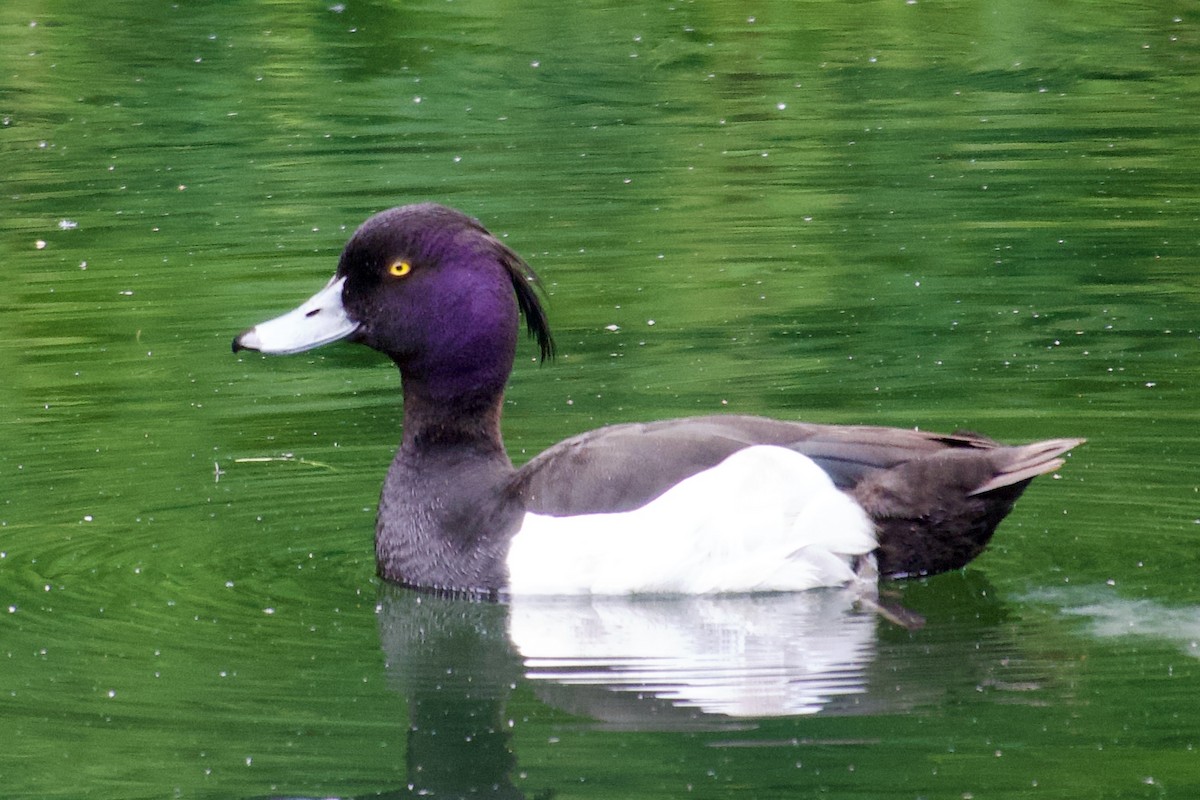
x=715, y=504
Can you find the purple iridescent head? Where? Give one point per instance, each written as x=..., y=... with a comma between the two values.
x=429, y=287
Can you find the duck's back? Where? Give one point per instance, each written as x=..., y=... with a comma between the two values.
x=622, y=467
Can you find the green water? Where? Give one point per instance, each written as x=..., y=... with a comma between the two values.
x=942, y=215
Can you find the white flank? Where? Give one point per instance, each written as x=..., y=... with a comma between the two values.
x=764, y=519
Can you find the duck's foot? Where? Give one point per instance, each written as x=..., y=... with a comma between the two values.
x=869, y=597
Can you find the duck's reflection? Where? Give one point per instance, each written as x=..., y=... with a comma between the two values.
x=452, y=660
x=737, y=657
x=668, y=664
x=677, y=664
x=699, y=663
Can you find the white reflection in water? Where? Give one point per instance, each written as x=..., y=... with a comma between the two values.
x=749, y=656
x=1112, y=616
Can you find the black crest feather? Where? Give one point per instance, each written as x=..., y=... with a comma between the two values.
x=528, y=287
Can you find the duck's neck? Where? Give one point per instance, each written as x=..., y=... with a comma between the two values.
x=444, y=517
x=461, y=422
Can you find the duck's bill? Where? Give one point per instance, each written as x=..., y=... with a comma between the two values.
x=319, y=320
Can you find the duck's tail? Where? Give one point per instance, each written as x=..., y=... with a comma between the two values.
x=937, y=512
x=1028, y=461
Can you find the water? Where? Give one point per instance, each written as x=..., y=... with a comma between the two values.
x=969, y=215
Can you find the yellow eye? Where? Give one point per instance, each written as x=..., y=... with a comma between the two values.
x=400, y=268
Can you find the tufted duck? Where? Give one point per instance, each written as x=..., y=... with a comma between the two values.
x=699, y=505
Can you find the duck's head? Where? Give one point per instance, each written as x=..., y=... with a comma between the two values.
x=428, y=286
